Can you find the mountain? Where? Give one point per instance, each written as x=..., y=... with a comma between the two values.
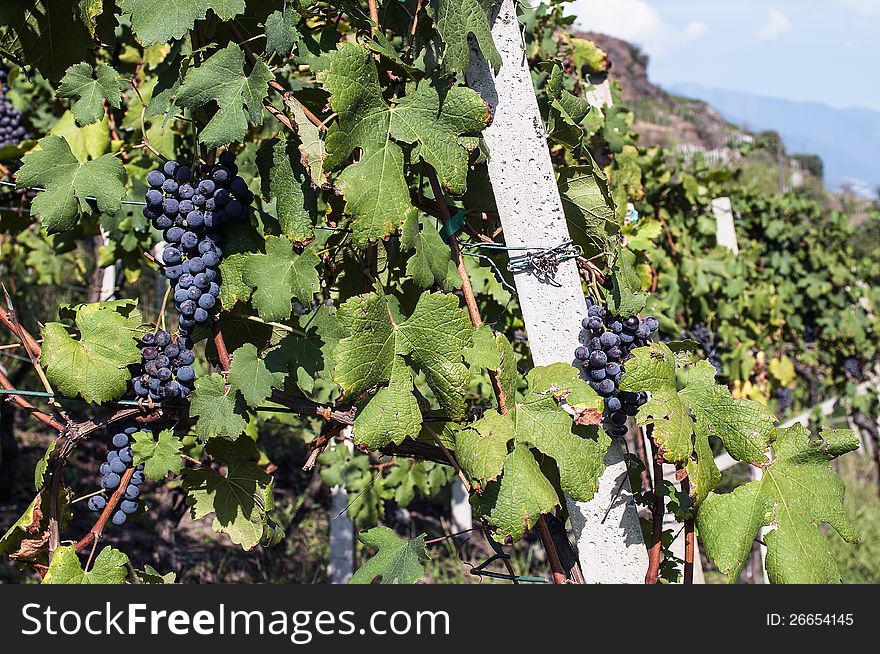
x=848, y=140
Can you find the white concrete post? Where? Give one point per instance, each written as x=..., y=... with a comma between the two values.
x=341, y=565
x=108, y=277
x=610, y=548
x=725, y=232
x=460, y=507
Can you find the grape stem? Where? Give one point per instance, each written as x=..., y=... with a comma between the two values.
x=657, y=511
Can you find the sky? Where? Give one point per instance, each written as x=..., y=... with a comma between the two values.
x=824, y=51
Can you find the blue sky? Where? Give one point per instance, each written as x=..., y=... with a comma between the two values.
x=810, y=50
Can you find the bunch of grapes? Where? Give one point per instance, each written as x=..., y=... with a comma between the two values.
x=811, y=330
x=701, y=334
x=784, y=400
x=190, y=207
x=119, y=459
x=853, y=368
x=12, y=128
x=611, y=340
x=166, y=367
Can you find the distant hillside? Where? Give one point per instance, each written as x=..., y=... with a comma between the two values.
x=848, y=140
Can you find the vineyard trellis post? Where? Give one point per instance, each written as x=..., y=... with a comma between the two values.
x=341, y=563
x=607, y=531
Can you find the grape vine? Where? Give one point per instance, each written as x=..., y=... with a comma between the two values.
x=241, y=240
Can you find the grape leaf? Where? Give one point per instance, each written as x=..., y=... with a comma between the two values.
x=485, y=352
x=26, y=539
x=49, y=35
x=374, y=187
x=678, y=390
x=69, y=182
x=540, y=422
x=284, y=178
x=513, y=504
x=311, y=146
x=280, y=275
x=392, y=414
x=307, y=357
x=233, y=289
x=237, y=499
x=159, y=456
x=430, y=265
x=281, y=32
x=42, y=466
x=109, y=567
x=94, y=366
x=397, y=561
x=219, y=412
x=588, y=208
x=158, y=21
x=797, y=492
x=221, y=79
x=91, y=86
x=249, y=375
x=626, y=297
x=458, y=21
x=481, y=448
x=432, y=339
x=409, y=476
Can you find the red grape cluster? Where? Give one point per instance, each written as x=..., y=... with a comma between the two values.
x=190, y=207
x=166, y=365
x=610, y=341
x=119, y=459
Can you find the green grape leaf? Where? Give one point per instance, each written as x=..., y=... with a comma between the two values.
x=149, y=575
x=797, y=493
x=458, y=21
x=540, y=422
x=219, y=412
x=432, y=339
x=42, y=466
x=69, y=182
x=431, y=264
x=95, y=365
x=159, y=456
x=485, y=352
x=157, y=21
x=481, y=448
x=281, y=32
x=249, y=375
x=352, y=471
x=626, y=298
x=375, y=188
x=90, y=86
x=109, y=567
x=392, y=414
x=409, y=476
x=513, y=504
x=684, y=396
x=589, y=209
x=50, y=35
x=233, y=289
x=397, y=561
x=311, y=146
x=279, y=276
x=307, y=357
x=240, y=97
x=237, y=499
x=284, y=178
